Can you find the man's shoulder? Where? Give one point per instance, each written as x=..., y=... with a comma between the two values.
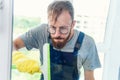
x=86, y=36
x=42, y=26
x=39, y=28
x=87, y=39
x=88, y=42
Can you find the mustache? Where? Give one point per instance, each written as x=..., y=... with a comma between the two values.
x=57, y=38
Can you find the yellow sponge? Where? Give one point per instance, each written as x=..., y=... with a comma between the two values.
x=25, y=64
x=16, y=56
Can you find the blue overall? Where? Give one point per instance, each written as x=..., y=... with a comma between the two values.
x=64, y=64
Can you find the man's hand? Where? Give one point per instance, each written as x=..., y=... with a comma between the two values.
x=18, y=43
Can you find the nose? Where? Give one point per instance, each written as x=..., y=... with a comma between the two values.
x=57, y=33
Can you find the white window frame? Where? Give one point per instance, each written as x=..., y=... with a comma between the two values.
x=5, y=38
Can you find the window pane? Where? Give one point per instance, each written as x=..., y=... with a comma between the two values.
x=27, y=14
x=91, y=17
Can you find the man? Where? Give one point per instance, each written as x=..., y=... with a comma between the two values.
x=70, y=49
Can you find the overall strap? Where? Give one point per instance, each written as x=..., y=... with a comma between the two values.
x=79, y=41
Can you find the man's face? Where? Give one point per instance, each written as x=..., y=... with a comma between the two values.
x=60, y=30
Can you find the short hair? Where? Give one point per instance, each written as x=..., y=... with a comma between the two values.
x=57, y=7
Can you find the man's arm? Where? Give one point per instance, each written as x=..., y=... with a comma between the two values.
x=89, y=75
x=18, y=43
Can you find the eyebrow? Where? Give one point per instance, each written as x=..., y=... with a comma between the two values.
x=59, y=26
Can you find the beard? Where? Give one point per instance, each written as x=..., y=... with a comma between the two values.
x=61, y=42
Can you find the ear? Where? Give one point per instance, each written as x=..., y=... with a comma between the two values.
x=73, y=23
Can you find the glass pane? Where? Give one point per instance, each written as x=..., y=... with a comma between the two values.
x=91, y=17
x=27, y=14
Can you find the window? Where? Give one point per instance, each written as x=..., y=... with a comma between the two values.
x=28, y=14
x=91, y=16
